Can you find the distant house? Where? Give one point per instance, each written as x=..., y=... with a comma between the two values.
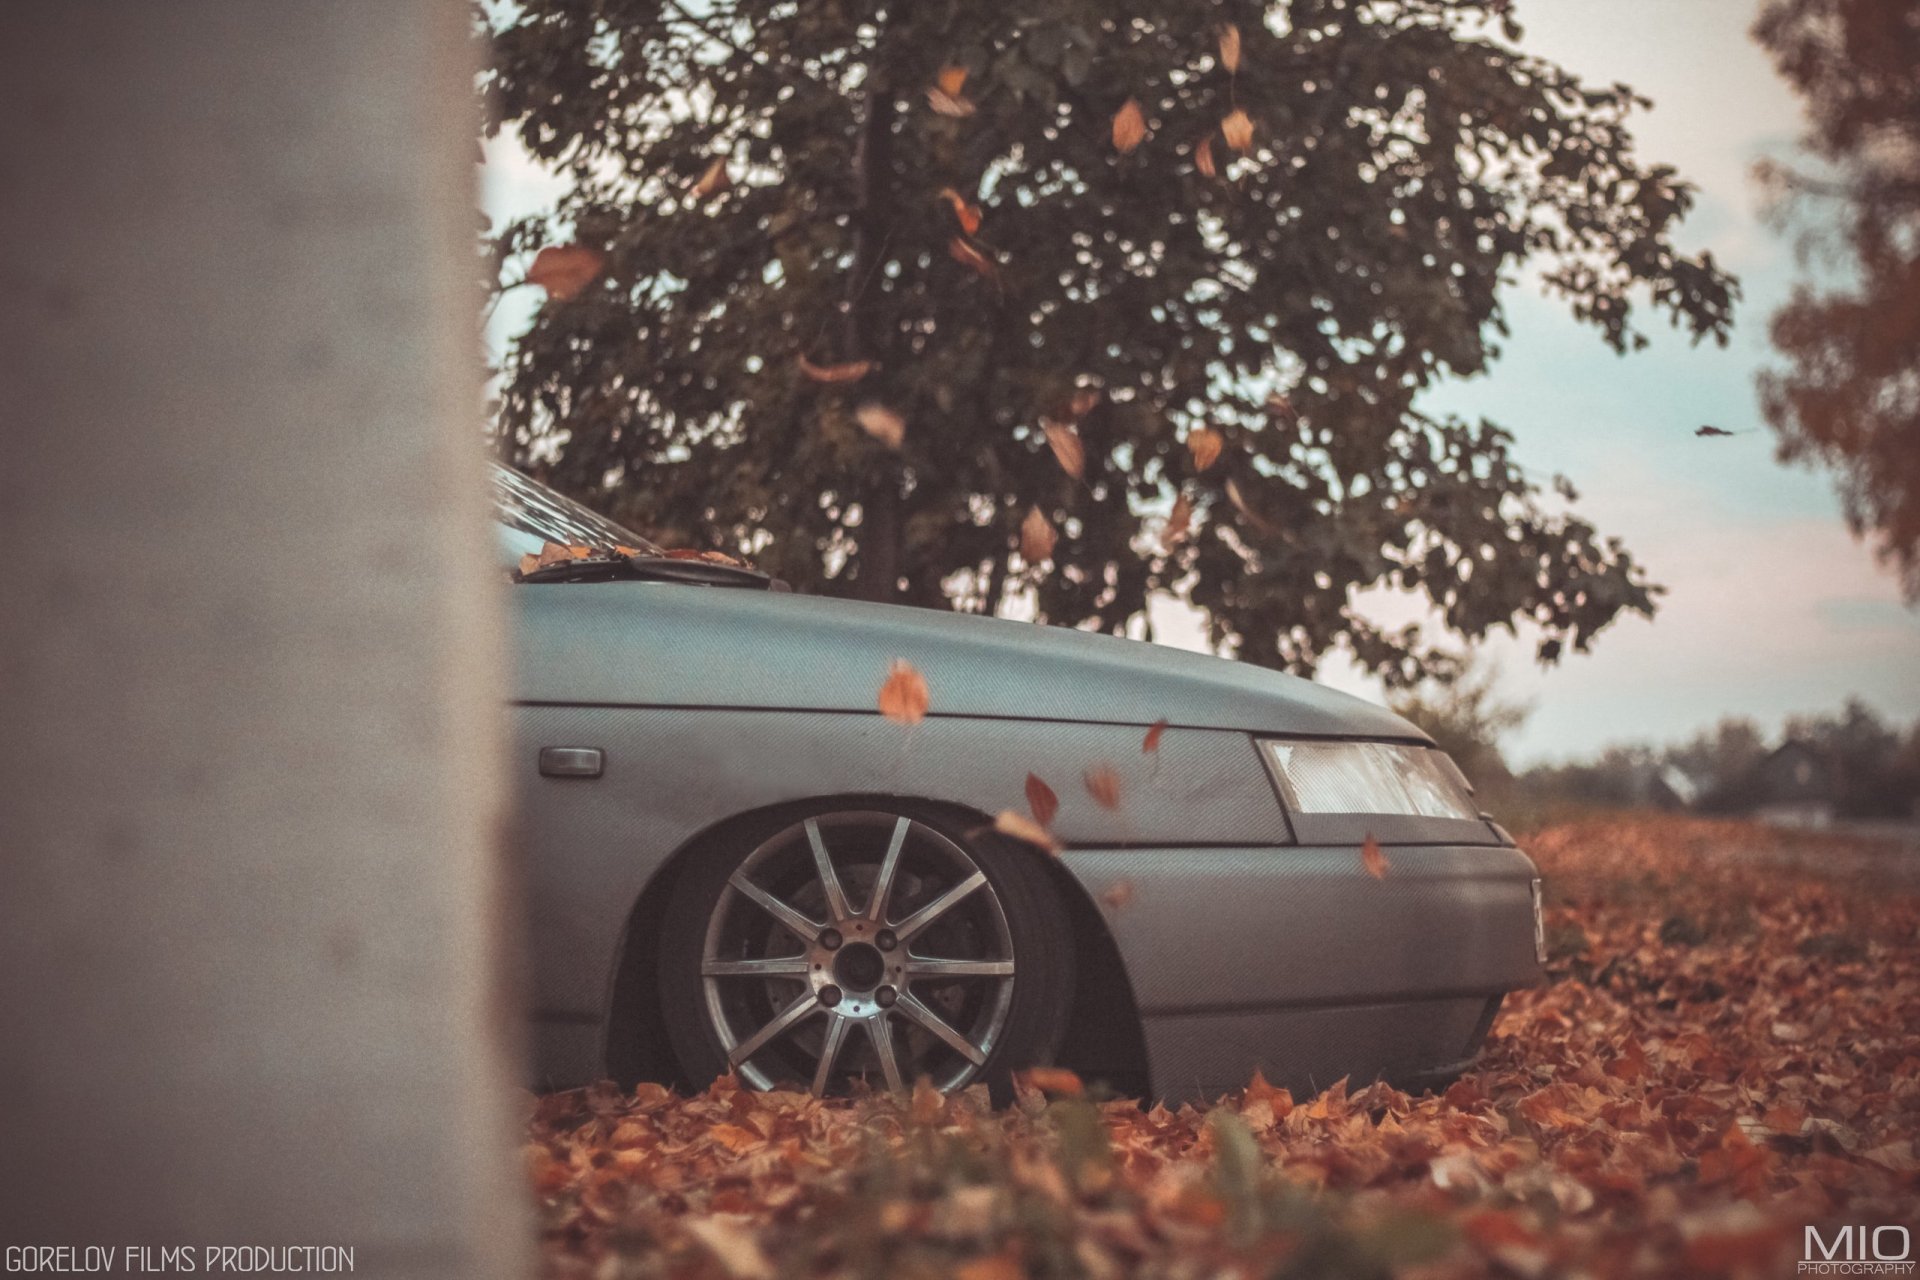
x=1793, y=786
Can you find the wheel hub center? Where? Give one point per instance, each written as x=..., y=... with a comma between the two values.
x=859, y=967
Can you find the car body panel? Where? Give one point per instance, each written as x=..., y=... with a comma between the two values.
x=593, y=845
x=661, y=644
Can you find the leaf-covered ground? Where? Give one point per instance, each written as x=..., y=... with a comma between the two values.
x=1729, y=1050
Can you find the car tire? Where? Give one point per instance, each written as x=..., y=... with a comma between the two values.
x=961, y=985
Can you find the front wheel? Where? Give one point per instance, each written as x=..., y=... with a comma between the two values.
x=860, y=943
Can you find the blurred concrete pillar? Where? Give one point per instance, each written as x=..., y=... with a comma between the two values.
x=248, y=692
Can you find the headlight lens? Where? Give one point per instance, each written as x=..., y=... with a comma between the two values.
x=1369, y=777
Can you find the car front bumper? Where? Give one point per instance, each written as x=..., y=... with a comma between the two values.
x=1297, y=962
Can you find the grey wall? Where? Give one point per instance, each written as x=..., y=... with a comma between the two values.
x=248, y=666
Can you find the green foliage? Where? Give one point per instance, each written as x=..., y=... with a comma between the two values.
x=1406, y=160
x=1849, y=395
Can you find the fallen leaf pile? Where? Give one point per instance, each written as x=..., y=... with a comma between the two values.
x=1728, y=1051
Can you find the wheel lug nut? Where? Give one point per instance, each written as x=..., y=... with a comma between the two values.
x=885, y=940
x=885, y=997
x=831, y=939
x=829, y=995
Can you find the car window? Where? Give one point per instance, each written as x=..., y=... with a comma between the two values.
x=530, y=515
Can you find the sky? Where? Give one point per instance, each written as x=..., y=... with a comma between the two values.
x=1772, y=607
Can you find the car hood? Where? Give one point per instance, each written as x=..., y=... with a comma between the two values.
x=667, y=644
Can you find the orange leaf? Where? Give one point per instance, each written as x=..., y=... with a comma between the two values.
x=1004, y=1265
x=713, y=181
x=1154, y=733
x=903, y=698
x=1056, y=1080
x=563, y=270
x=852, y=371
x=1103, y=784
x=1203, y=159
x=967, y=256
x=1042, y=803
x=529, y=562
x=1372, y=858
x=1084, y=401
x=1037, y=537
x=1067, y=449
x=1240, y=504
x=952, y=80
x=1178, y=521
x=736, y=1139
x=882, y=423
x=968, y=215
x=1230, y=47
x=1204, y=443
x=1237, y=129
x=1129, y=127
x=1021, y=827
x=1118, y=896
x=928, y=1105
x=951, y=105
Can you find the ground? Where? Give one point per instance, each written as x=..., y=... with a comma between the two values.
x=1728, y=1051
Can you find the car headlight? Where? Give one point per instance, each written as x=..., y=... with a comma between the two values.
x=1369, y=777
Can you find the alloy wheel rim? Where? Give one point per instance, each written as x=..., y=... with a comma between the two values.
x=858, y=944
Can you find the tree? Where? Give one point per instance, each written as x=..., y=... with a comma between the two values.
x=1060, y=241
x=1466, y=718
x=1849, y=393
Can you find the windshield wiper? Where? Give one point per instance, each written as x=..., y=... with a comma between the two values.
x=614, y=567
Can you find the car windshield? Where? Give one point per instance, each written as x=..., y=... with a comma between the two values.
x=532, y=515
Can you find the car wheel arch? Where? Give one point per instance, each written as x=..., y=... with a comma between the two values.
x=1105, y=1040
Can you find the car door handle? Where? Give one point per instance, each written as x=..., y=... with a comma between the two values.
x=572, y=762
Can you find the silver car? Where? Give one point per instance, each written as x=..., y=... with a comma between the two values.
x=733, y=861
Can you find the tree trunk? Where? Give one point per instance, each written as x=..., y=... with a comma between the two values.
x=881, y=528
x=249, y=676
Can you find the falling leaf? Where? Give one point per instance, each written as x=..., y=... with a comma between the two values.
x=852, y=371
x=1237, y=129
x=968, y=215
x=903, y=697
x=1281, y=407
x=1712, y=431
x=1057, y=1080
x=1129, y=127
x=1155, y=732
x=1085, y=400
x=1037, y=537
x=1117, y=896
x=966, y=255
x=1021, y=827
x=1067, y=449
x=1372, y=858
x=1230, y=47
x=951, y=105
x=1042, y=803
x=1103, y=784
x=1178, y=521
x=1240, y=504
x=563, y=270
x=1204, y=443
x=713, y=181
x=1203, y=158
x=952, y=79
x=882, y=423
